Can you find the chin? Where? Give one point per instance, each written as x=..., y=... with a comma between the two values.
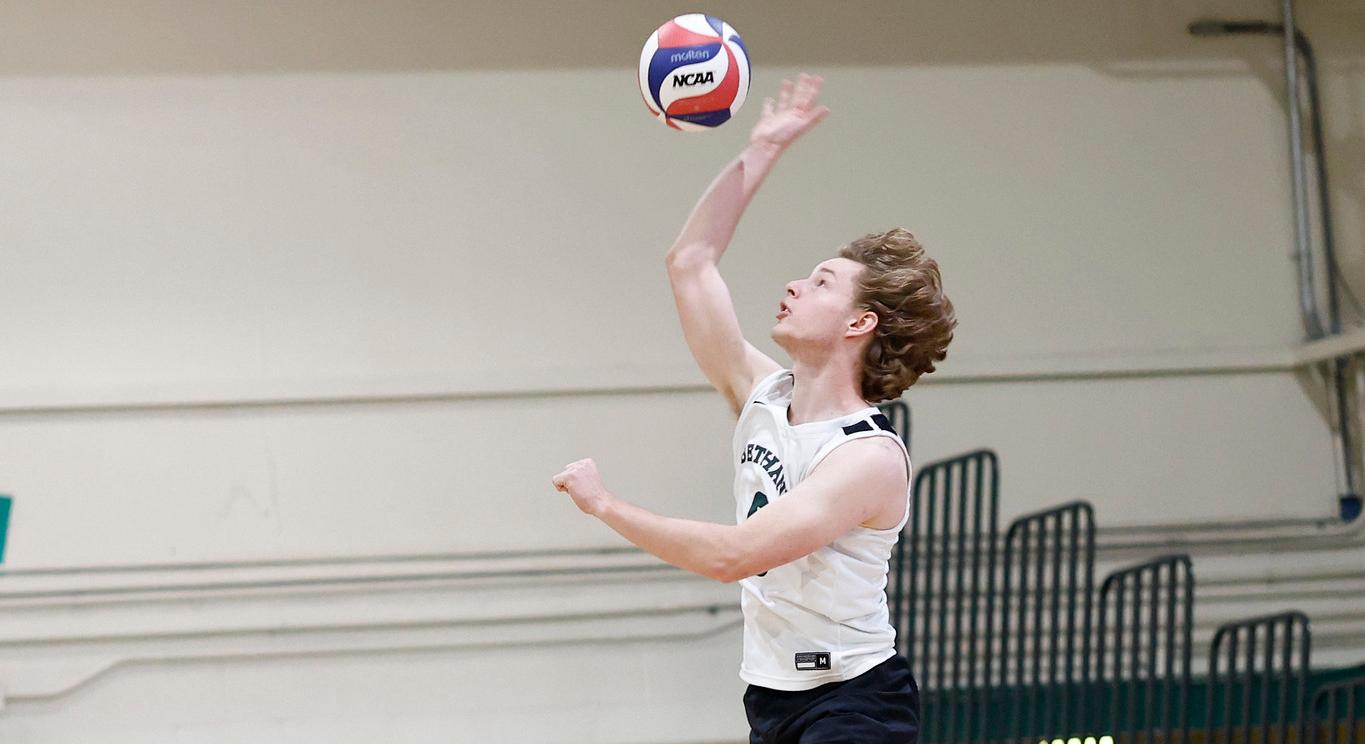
x=783, y=338
x=778, y=337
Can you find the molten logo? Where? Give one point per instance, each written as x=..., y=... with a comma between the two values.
x=691, y=55
x=694, y=78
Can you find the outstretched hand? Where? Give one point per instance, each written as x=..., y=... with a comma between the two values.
x=793, y=114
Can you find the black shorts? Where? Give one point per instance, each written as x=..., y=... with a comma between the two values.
x=879, y=705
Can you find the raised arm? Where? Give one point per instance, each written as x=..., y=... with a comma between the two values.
x=730, y=363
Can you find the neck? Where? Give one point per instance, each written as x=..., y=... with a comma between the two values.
x=824, y=391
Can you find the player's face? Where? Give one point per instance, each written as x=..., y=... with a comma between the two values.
x=817, y=309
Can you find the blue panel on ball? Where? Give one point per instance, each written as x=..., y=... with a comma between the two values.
x=705, y=118
x=717, y=24
x=666, y=60
x=734, y=38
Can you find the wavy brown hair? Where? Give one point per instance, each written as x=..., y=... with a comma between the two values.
x=915, y=320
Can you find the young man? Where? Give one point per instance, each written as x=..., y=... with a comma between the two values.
x=822, y=482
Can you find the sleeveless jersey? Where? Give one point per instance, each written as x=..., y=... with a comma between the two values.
x=821, y=618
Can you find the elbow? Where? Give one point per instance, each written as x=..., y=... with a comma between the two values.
x=682, y=260
x=726, y=574
x=675, y=261
x=736, y=572
x=731, y=566
x=717, y=557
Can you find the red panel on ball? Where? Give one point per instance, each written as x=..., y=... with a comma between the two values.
x=673, y=35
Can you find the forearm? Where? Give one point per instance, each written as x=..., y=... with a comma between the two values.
x=713, y=220
x=700, y=547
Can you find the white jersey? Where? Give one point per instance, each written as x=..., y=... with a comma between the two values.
x=821, y=618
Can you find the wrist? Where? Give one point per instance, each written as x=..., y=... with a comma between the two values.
x=763, y=151
x=604, y=505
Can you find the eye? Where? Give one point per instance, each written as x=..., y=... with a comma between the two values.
x=819, y=282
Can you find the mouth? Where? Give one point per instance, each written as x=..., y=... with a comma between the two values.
x=783, y=311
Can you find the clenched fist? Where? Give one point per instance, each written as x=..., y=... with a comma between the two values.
x=583, y=484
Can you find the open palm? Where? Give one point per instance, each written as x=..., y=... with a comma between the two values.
x=792, y=114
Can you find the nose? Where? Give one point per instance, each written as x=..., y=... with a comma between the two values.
x=791, y=288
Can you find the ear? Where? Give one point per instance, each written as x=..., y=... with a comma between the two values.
x=863, y=325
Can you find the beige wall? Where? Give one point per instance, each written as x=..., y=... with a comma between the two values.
x=355, y=279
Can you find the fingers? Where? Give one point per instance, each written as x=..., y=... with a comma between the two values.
x=561, y=480
x=807, y=88
x=799, y=95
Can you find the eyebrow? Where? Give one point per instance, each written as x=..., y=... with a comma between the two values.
x=831, y=271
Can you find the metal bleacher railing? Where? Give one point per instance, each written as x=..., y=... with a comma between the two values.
x=1011, y=642
x=1258, y=680
x=1049, y=570
x=1144, y=649
x=1338, y=712
x=944, y=581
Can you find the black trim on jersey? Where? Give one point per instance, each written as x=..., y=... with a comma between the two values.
x=881, y=421
x=861, y=426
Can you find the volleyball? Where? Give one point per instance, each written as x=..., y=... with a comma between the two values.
x=694, y=72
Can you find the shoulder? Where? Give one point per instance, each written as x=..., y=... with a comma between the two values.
x=868, y=477
x=879, y=453
x=867, y=461
x=768, y=388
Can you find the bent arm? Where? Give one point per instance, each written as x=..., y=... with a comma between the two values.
x=855, y=484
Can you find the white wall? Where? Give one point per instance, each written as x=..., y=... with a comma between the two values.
x=326, y=280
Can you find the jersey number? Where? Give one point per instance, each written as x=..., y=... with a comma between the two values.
x=760, y=501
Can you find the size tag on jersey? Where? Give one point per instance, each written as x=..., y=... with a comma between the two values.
x=812, y=661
